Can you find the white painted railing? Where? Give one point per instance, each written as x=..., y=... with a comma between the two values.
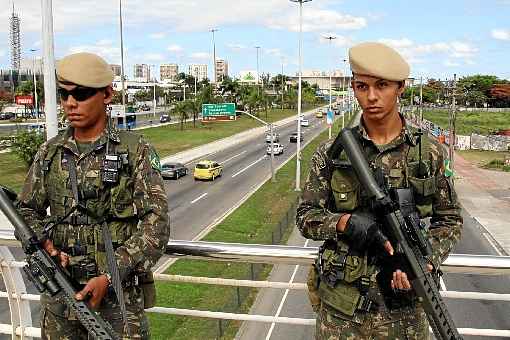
x=21, y=326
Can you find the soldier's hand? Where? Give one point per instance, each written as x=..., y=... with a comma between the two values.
x=97, y=288
x=50, y=249
x=362, y=231
x=400, y=280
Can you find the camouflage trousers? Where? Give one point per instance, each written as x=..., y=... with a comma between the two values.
x=410, y=325
x=58, y=323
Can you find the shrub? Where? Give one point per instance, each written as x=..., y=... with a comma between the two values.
x=26, y=143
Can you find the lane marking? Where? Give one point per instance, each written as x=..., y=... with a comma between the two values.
x=280, y=307
x=489, y=239
x=199, y=197
x=231, y=158
x=249, y=166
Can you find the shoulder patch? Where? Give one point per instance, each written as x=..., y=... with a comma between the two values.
x=154, y=159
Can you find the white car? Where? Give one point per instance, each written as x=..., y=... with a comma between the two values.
x=277, y=149
x=305, y=122
x=276, y=137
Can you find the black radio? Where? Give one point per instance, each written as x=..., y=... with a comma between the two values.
x=110, y=169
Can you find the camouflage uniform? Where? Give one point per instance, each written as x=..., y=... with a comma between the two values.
x=137, y=215
x=333, y=191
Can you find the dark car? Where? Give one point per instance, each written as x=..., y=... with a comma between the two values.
x=164, y=118
x=293, y=137
x=173, y=170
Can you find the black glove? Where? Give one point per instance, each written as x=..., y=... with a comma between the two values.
x=362, y=231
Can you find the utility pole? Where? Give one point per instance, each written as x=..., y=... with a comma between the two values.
x=452, y=122
x=214, y=53
x=258, y=75
x=36, y=104
x=122, y=77
x=343, y=96
x=330, y=38
x=421, y=100
x=154, y=92
x=50, y=82
x=298, y=144
x=283, y=85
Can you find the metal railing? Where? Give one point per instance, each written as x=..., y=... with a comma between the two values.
x=270, y=254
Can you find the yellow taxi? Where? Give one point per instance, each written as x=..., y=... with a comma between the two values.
x=319, y=114
x=206, y=169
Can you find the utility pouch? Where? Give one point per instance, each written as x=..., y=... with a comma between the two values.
x=146, y=283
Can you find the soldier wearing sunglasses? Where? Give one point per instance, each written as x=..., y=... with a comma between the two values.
x=105, y=191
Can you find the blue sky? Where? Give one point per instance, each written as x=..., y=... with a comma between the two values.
x=438, y=38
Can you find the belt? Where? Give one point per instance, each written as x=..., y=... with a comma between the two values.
x=80, y=220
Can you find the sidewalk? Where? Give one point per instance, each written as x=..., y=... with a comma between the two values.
x=485, y=195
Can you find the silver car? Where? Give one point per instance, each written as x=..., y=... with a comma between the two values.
x=173, y=170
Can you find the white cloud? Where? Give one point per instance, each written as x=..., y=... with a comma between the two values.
x=174, y=49
x=501, y=34
x=316, y=19
x=450, y=63
x=157, y=35
x=104, y=48
x=200, y=55
x=153, y=57
x=236, y=47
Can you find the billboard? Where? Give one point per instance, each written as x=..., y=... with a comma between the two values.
x=24, y=100
x=248, y=76
x=224, y=111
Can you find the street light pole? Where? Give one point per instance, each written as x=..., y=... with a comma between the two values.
x=298, y=144
x=330, y=38
x=154, y=92
x=214, y=54
x=36, y=106
x=343, y=96
x=421, y=100
x=258, y=76
x=50, y=82
x=283, y=86
x=122, y=56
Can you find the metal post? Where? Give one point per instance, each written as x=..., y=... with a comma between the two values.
x=122, y=76
x=273, y=179
x=258, y=75
x=154, y=94
x=421, y=100
x=214, y=54
x=343, y=95
x=50, y=83
x=452, y=123
x=283, y=86
x=330, y=38
x=298, y=144
x=36, y=104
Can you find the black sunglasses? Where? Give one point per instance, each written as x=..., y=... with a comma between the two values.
x=79, y=93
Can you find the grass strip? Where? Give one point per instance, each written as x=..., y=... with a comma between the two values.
x=253, y=222
x=468, y=122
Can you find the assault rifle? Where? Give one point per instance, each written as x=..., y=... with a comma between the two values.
x=48, y=275
x=409, y=246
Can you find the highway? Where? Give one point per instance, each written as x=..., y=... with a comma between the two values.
x=195, y=207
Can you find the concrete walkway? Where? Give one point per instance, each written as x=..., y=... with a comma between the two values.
x=485, y=195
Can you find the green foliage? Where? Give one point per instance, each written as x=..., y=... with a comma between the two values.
x=26, y=143
x=468, y=122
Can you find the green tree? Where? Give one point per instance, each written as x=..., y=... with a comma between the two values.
x=142, y=96
x=26, y=143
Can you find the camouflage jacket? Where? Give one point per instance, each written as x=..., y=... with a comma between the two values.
x=330, y=192
x=135, y=207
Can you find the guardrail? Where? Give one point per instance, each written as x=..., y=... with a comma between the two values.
x=21, y=326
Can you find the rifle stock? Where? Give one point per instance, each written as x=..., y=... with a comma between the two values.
x=49, y=276
x=422, y=282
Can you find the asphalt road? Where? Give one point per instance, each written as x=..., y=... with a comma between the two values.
x=466, y=313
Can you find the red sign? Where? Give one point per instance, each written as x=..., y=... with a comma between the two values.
x=24, y=100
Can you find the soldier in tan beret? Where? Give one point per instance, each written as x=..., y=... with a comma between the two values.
x=105, y=191
x=350, y=302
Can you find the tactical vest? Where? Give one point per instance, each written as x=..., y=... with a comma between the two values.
x=348, y=295
x=80, y=234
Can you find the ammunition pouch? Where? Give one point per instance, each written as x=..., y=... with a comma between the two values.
x=344, y=279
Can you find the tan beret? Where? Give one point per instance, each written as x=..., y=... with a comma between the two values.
x=85, y=69
x=378, y=60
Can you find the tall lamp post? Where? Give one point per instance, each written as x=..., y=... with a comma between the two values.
x=343, y=96
x=298, y=146
x=214, y=53
x=283, y=82
x=258, y=75
x=36, y=106
x=154, y=91
x=122, y=77
x=50, y=81
x=330, y=38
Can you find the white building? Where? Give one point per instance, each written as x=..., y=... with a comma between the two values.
x=142, y=73
x=221, y=69
x=198, y=71
x=168, y=72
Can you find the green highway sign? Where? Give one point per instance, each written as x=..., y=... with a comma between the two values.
x=224, y=111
